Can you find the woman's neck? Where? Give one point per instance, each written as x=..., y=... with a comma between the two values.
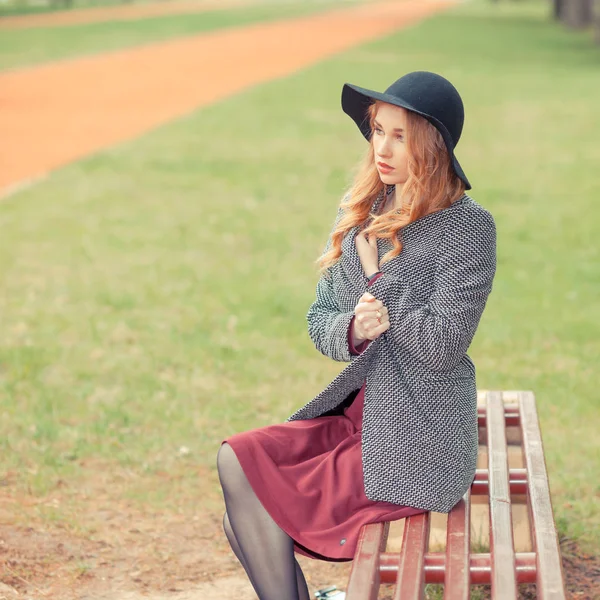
x=393, y=201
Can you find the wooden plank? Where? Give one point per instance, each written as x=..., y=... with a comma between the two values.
x=384, y=539
x=502, y=549
x=550, y=577
x=458, y=548
x=410, y=584
x=364, y=581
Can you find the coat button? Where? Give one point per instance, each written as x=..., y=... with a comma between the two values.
x=342, y=541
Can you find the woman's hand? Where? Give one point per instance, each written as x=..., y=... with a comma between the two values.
x=371, y=320
x=367, y=252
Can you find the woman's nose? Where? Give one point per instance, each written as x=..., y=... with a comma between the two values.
x=385, y=148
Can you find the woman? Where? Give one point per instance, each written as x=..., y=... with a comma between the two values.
x=395, y=433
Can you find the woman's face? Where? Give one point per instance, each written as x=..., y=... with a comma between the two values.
x=389, y=144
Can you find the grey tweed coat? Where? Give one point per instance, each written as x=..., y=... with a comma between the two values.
x=419, y=430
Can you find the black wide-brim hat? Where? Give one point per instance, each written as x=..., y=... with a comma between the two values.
x=427, y=94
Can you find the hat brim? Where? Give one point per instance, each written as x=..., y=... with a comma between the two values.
x=356, y=100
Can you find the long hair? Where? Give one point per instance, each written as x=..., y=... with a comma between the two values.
x=431, y=186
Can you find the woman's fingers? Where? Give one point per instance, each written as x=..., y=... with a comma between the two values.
x=380, y=313
x=377, y=314
x=371, y=306
x=368, y=297
x=371, y=320
x=372, y=316
x=374, y=331
x=371, y=324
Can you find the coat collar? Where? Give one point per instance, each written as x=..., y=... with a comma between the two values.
x=380, y=198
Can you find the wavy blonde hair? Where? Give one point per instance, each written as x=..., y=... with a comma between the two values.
x=431, y=186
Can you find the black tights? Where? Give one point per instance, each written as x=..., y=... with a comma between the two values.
x=265, y=551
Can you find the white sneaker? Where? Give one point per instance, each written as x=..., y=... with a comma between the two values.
x=330, y=593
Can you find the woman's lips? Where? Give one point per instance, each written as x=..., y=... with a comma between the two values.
x=384, y=168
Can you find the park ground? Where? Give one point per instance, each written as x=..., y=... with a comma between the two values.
x=135, y=339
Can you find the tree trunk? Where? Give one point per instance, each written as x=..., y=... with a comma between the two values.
x=557, y=9
x=597, y=21
x=576, y=13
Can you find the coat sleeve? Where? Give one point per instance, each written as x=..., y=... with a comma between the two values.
x=439, y=331
x=327, y=324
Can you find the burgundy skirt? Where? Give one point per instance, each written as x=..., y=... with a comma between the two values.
x=308, y=475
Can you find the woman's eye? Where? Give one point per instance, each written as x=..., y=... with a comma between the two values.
x=379, y=131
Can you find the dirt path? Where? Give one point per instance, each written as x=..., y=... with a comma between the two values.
x=55, y=114
x=129, y=12
x=133, y=555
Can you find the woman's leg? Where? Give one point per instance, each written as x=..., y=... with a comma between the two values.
x=303, y=592
x=268, y=552
x=236, y=547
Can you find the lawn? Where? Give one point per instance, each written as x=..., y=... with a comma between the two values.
x=153, y=297
x=22, y=7
x=24, y=47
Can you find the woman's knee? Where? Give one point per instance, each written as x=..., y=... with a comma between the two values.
x=227, y=526
x=224, y=450
x=228, y=466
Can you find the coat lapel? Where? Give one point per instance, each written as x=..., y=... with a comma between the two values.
x=350, y=261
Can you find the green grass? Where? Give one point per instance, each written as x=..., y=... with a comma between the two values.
x=24, y=47
x=154, y=296
x=436, y=592
x=25, y=7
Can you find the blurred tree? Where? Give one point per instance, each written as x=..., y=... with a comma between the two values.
x=576, y=13
x=596, y=18
x=557, y=8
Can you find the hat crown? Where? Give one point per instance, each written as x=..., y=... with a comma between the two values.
x=434, y=96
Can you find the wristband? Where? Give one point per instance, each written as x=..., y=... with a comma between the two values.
x=372, y=276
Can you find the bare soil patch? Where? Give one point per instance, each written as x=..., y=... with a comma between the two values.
x=102, y=546
x=129, y=554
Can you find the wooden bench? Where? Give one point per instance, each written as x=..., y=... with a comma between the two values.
x=457, y=567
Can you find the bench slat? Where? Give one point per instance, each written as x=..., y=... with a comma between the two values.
x=550, y=577
x=410, y=584
x=364, y=580
x=458, y=548
x=504, y=583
